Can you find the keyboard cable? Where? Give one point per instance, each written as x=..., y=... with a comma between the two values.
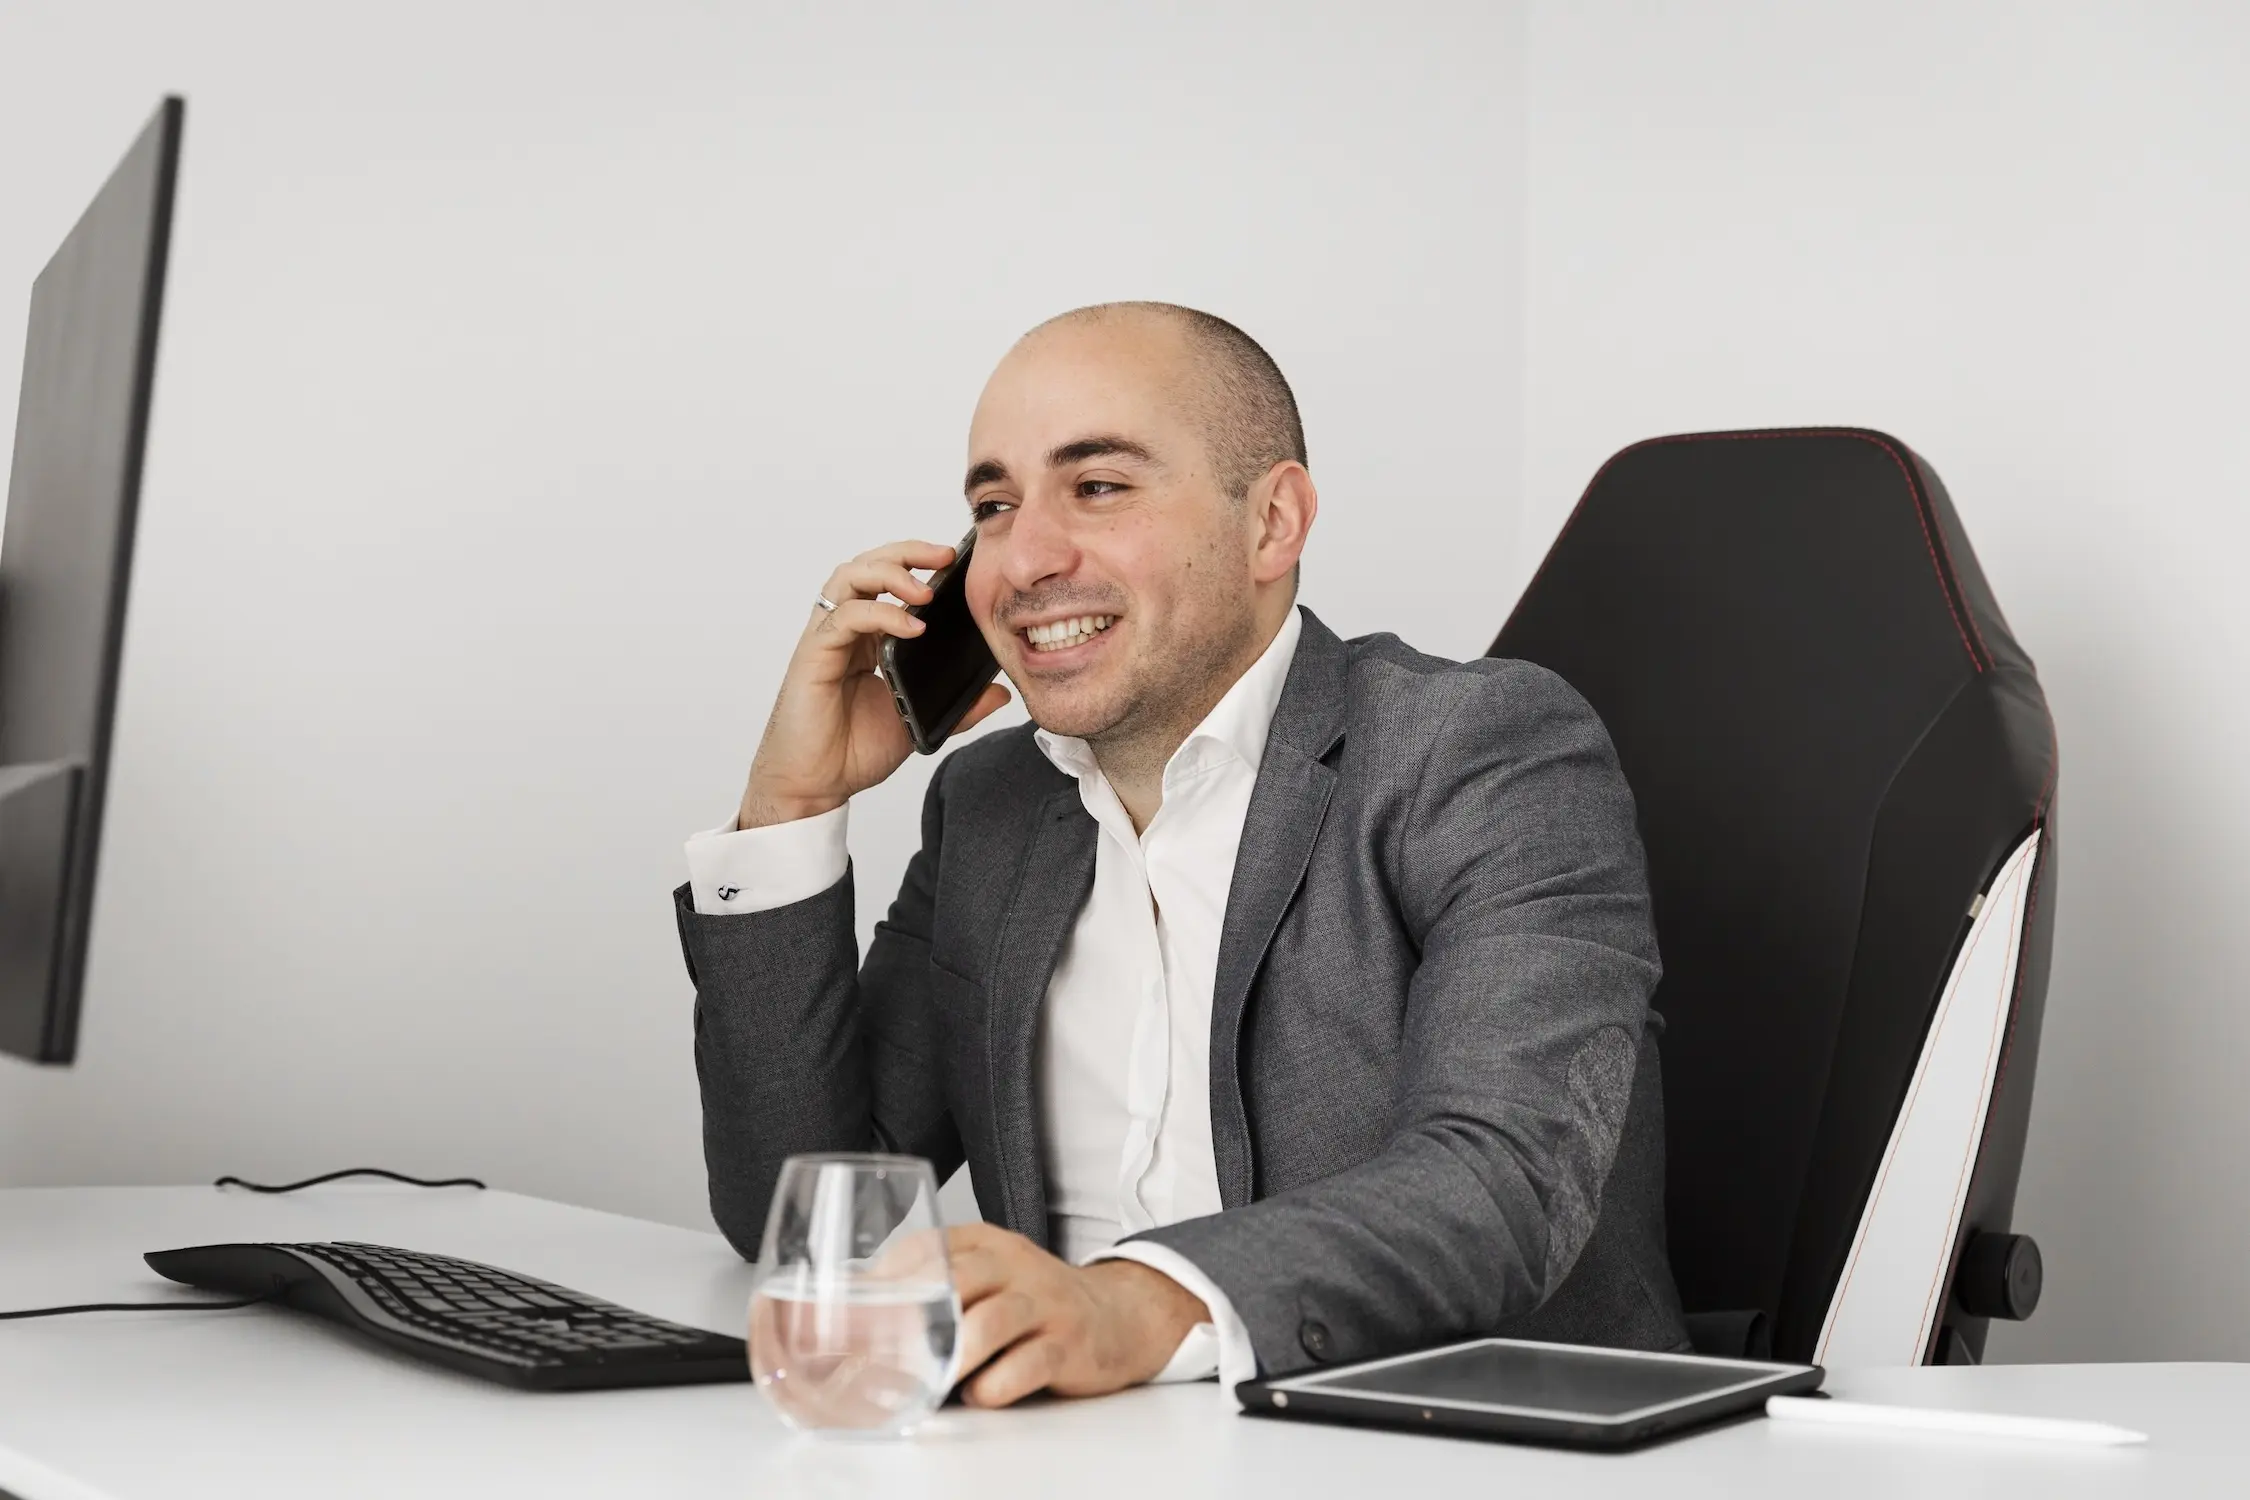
x=291, y=1187
x=89, y=1307
x=255, y=1187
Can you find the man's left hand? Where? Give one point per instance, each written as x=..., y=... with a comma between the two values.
x=1034, y=1323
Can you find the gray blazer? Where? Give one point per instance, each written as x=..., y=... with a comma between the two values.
x=1435, y=1101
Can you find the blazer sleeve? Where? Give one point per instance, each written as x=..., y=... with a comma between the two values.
x=800, y=1046
x=1518, y=869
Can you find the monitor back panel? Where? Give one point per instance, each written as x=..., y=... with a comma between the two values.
x=73, y=489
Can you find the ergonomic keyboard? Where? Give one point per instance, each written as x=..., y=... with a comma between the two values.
x=468, y=1316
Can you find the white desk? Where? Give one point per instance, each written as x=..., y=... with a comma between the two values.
x=264, y=1402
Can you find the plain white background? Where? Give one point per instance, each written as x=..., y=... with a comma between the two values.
x=527, y=366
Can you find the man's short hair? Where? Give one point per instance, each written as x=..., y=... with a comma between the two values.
x=1249, y=413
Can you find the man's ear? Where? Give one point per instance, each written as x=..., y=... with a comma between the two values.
x=1282, y=505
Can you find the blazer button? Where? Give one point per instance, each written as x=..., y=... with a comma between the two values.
x=1314, y=1336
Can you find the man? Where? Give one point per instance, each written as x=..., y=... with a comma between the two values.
x=1287, y=996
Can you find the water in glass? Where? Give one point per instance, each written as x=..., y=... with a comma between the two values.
x=853, y=1320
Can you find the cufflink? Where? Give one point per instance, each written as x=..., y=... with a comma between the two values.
x=729, y=892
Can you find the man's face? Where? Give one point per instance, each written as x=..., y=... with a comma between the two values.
x=1112, y=574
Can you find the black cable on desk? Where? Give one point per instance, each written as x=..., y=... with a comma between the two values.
x=255, y=1187
x=87, y=1307
x=291, y=1187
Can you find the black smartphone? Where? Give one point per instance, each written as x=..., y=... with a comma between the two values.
x=936, y=676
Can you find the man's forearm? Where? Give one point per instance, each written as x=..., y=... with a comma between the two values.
x=778, y=1051
x=1456, y=1228
x=1402, y=1250
x=798, y=1047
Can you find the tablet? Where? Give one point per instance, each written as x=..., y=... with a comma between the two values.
x=1520, y=1391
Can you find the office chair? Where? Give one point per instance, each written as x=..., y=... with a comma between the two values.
x=1845, y=774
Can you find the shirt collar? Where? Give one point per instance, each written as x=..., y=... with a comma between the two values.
x=1237, y=725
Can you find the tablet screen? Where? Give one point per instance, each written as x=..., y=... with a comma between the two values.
x=1541, y=1378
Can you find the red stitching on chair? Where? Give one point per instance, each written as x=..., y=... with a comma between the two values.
x=1955, y=573
x=1930, y=541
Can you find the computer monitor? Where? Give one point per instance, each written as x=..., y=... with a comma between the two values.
x=89, y=366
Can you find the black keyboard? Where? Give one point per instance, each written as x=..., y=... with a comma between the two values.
x=468, y=1316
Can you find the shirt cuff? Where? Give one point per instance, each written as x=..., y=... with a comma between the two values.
x=1221, y=1346
x=732, y=871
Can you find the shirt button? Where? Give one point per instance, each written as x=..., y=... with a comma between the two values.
x=1314, y=1336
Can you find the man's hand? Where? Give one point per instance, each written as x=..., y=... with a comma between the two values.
x=1035, y=1323
x=834, y=731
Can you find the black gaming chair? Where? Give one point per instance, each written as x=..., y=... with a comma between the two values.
x=1845, y=772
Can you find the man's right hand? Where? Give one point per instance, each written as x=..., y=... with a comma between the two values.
x=834, y=730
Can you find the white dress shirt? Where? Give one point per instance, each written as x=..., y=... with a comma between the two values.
x=1124, y=1051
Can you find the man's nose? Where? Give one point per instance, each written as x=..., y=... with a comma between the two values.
x=1039, y=547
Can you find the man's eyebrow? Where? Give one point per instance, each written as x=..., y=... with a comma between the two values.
x=991, y=471
x=1103, y=445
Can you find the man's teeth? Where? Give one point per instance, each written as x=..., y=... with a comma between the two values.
x=1063, y=634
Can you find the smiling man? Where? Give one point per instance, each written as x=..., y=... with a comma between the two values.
x=1287, y=996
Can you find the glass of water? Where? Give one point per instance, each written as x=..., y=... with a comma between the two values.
x=852, y=1322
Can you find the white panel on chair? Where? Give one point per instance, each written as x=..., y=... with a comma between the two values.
x=1892, y=1292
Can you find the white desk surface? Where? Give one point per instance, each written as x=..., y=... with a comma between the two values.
x=265, y=1402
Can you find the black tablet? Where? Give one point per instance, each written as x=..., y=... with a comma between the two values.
x=1520, y=1391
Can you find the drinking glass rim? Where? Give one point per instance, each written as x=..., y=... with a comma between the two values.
x=859, y=1159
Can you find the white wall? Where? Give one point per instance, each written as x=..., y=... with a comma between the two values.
x=527, y=368
x=2017, y=236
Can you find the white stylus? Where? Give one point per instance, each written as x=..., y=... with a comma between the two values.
x=1964, y=1423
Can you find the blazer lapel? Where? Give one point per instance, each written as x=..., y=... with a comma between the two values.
x=1287, y=806
x=1051, y=889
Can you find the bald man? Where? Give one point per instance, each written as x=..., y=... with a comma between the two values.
x=1286, y=996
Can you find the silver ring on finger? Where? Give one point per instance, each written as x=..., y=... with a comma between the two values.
x=825, y=602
